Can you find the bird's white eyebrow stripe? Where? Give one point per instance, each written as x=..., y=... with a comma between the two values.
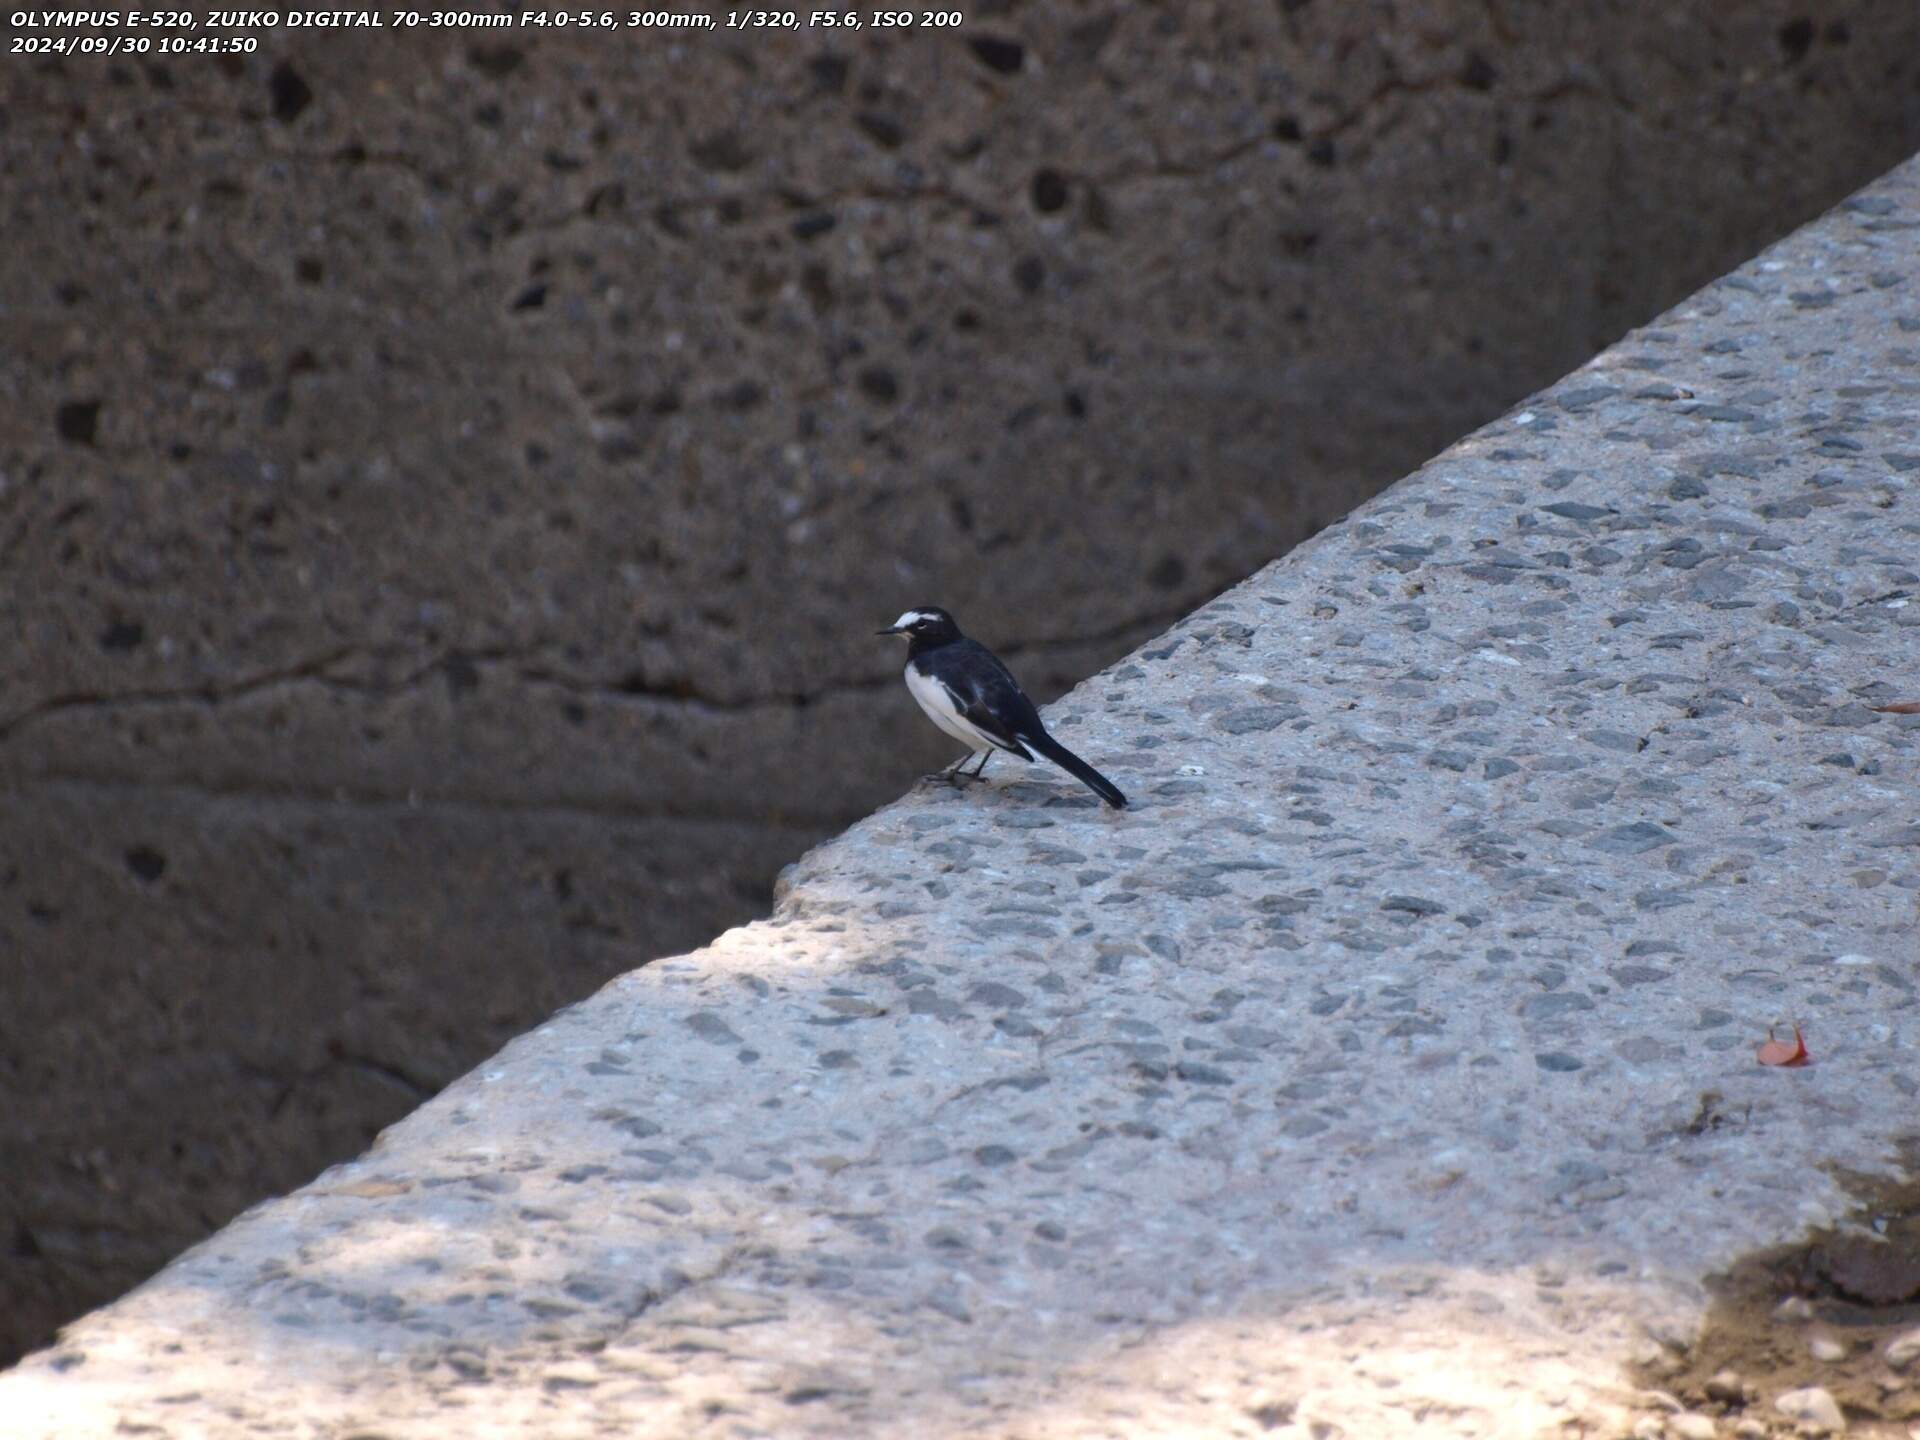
x=909, y=617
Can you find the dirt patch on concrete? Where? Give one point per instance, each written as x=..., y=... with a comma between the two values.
x=1829, y=1312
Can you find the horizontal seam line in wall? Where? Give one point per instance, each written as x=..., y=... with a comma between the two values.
x=374, y=800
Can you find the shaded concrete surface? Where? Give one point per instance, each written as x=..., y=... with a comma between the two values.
x=1387, y=1069
x=451, y=476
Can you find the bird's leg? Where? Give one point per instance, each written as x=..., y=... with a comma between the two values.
x=959, y=772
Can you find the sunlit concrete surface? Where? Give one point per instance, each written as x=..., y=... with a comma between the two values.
x=1387, y=1069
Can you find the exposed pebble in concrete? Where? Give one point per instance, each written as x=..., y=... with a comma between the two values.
x=1904, y=1350
x=1813, y=1410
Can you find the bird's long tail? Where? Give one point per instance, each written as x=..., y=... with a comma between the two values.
x=1053, y=750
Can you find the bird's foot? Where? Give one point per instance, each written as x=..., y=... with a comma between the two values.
x=953, y=775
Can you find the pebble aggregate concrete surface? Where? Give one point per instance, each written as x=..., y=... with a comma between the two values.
x=1387, y=1069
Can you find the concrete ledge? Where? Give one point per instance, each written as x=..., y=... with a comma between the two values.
x=1389, y=1066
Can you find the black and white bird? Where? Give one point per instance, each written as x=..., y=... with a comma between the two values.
x=968, y=693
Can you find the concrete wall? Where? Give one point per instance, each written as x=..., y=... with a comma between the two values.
x=447, y=483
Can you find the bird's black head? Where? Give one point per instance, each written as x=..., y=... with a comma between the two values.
x=925, y=626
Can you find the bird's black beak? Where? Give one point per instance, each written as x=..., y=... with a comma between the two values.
x=890, y=630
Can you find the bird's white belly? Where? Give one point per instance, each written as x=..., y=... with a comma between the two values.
x=933, y=698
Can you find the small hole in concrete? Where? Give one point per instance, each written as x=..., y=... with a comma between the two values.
x=879, y=384
x=1796, y=36
x=123, y=635
x=146, y=862
x=1049, y=191
x=77, y=420
x=882, y=130
x=291, y=94
x=998, y=53
x=495, y=61
x=829, y=71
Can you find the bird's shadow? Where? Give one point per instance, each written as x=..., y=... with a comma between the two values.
x=1001, y=795
x=1010, y=793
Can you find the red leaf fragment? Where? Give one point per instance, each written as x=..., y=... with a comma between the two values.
x=1778, y=1052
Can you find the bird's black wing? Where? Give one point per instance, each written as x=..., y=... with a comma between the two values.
x=992, y=700
x=988, y=695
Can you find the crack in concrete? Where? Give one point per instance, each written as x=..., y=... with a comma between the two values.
x=677, y=1282
x=415, y=802
x=209, y=693
x=355, y=154
x=781, y=204
x=679, y=694
x=1169, y=169
x=421, y=1090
